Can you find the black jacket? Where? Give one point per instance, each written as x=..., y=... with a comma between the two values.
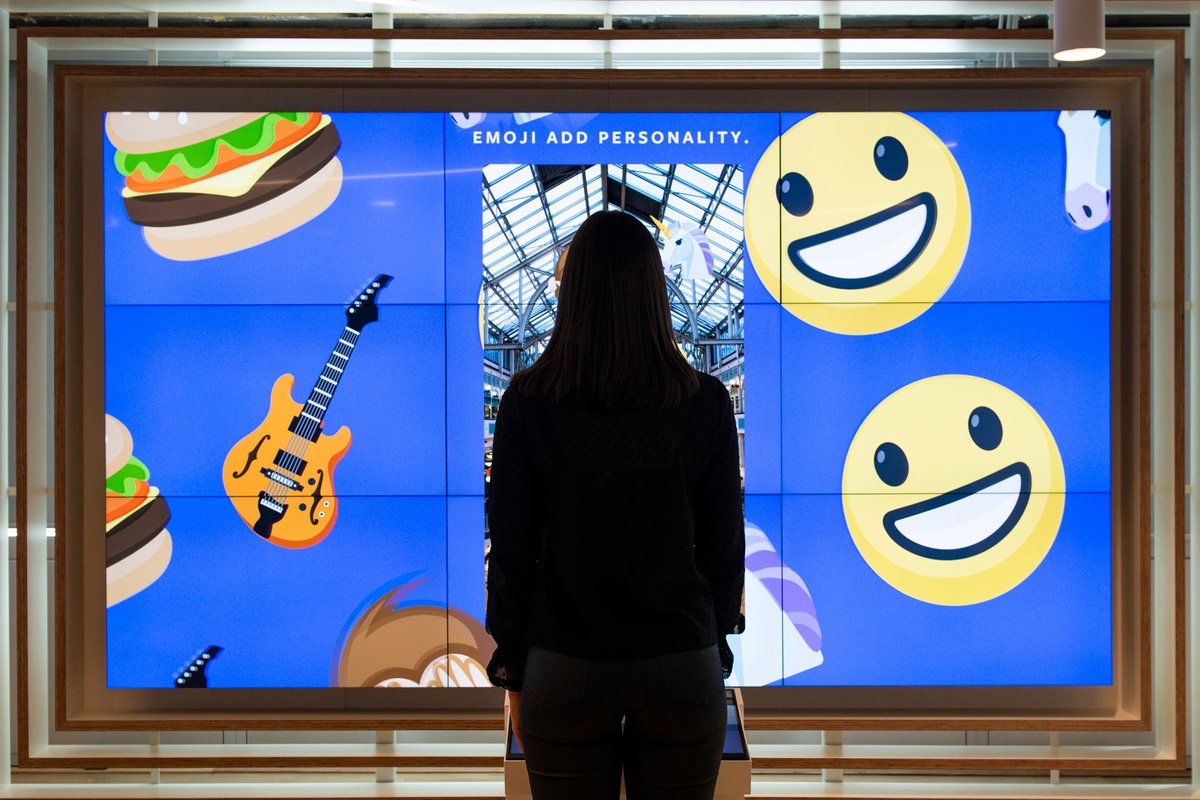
x=616, y=534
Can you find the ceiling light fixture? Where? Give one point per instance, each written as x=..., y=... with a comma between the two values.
x=1078, y=29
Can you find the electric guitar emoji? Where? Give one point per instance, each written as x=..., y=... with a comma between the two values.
x=195, y=674
x=280, y=476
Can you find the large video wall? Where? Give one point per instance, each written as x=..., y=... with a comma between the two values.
x=296, y=327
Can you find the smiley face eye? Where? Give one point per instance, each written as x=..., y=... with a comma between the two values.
x=891, y=465
x=986, y=430
x=891, y=159
x=795, y=194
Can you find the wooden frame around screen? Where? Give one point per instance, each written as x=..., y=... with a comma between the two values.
x=81, y=283
x=871, y=87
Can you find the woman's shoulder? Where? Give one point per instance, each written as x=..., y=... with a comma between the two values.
x=709, y=385
x=515, y=403
x=710, y=394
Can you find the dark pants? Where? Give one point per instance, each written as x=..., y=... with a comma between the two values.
x=674, y=714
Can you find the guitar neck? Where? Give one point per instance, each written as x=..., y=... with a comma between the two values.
x=322, y=392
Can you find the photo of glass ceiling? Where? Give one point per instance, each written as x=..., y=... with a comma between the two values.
x=531, y=213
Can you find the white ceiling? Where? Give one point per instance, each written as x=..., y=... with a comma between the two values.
x=578, y=15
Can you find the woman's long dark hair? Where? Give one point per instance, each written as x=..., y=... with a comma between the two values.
x=613, y=342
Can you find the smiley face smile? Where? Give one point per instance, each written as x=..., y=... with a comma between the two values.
x=869, y=251
x=915, y=522
x=963, y=522
x=857, y=222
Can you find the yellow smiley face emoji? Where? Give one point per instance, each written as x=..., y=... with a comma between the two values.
x=953, y=489
x=857, y=222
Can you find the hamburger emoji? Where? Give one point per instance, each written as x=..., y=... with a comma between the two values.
x=137, y=545
x=207, y=184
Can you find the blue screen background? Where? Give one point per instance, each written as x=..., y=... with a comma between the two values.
x=193, y=348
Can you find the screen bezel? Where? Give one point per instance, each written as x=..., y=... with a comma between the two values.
x=83, y=93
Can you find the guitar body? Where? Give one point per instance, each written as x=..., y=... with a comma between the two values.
x=311, y=509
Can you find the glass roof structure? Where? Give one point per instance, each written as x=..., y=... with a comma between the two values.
x=531, y=213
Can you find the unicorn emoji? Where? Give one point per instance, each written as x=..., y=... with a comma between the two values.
x=777, y=601
x=1087, y=195
x=687, y=250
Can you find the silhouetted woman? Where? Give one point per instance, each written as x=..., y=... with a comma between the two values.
x=617, y=554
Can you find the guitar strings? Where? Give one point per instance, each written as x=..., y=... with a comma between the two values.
x=306, y=427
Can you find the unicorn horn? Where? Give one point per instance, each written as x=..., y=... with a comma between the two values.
x=666, y=232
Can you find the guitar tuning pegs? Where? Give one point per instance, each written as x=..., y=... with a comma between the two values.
x=375, y=284
x=349, y=310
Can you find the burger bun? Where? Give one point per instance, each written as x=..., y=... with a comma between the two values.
x=118, y=445
x=139, y=569
x=253, y=226
x=140, y=132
